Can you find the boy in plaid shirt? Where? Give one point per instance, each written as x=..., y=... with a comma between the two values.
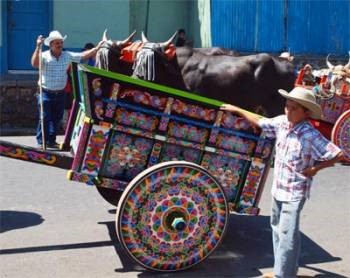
x=298, y=146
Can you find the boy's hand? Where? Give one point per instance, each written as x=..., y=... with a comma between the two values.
x=229, y=107
x=309, y=172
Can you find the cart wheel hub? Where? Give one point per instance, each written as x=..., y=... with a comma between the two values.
x=175, y=220
x=179, y=224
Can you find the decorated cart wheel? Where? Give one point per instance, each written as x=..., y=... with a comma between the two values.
x=112, y=196
x=341, y=133
x=172, y=216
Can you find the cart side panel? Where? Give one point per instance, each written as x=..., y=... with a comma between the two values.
x=134, y=124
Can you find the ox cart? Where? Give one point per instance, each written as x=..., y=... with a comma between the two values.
x=173, y=164
x=333, y=95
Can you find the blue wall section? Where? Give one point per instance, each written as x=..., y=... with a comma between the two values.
x=270, y=31
x=299, y=26
x=229, y=28
x=319, y=27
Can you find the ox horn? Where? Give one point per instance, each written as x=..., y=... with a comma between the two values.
x=128, y=39
x=104, y=36
x=164, y=45
x=330, y=66
x=144, y=39
x=347, y=66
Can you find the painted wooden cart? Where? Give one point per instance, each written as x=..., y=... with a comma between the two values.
x=173, y=164
x=335, y=105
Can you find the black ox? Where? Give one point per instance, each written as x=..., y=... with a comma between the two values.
x=108, y=57
x=250, y=82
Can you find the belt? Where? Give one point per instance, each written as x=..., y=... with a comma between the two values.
x=53, y=91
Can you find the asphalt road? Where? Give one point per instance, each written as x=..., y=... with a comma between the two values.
x=52, y=227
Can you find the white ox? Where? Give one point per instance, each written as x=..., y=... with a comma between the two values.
x=338, y=79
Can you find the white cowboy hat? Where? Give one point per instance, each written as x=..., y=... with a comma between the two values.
x=54, y=35
x=287, y=56
x=305, y=98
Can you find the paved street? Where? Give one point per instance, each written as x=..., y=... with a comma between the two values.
x=51, y=227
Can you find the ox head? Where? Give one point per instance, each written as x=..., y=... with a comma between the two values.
x=339, y=77
x=337, y=67
x=108, y=56
x=153, y=63
x=160, y=46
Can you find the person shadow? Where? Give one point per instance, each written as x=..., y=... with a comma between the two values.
x=11, y=220
x=246, y=248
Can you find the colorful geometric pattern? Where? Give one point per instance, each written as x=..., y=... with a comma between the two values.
x=173, y=152
x=82, y=135
x=332, y=108
x=167, y=193
x=251, y=186
x=94, y=151
x=113, y=184
x=136, y=119
x=227, y=171
x=29, y=155
x=127, y=156
x=165, y=120
x=144, y=98
x=154, y=157
x=194, y=111
x=341, y=133
x=187, y=132
x=77, y=129
x=235, y=143
x=85, y=178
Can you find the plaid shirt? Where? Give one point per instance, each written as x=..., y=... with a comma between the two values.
x=297, y=148
x=54, y=71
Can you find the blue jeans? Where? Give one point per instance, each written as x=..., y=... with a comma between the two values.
x=53, y=107
x=286, y=237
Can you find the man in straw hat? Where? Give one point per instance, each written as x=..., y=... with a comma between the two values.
x=298, y=146
x=54, y=63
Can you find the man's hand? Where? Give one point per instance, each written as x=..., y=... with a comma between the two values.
x=39, y=41
x=99, y=45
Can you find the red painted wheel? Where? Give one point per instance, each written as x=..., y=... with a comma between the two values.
x=341, y=133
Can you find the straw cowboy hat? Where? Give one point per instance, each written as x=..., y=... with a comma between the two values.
x=305, y=98
x=54, y=35
x=287, y=56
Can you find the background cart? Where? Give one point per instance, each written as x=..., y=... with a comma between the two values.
x=333, y=95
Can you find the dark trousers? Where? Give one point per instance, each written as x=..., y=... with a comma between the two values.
x=53, y=106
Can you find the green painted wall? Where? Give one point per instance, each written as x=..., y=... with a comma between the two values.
x=164, y=18
x=85, y=21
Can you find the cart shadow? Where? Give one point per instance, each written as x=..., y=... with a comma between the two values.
x=12, y=220
x=246, y=248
